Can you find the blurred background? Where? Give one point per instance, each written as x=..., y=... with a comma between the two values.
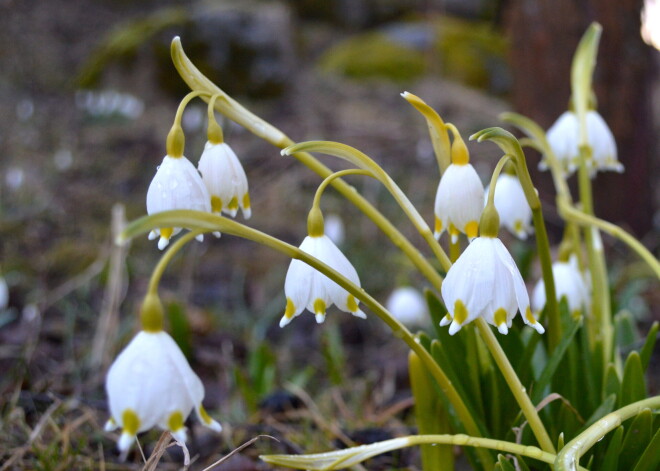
x=87, y=95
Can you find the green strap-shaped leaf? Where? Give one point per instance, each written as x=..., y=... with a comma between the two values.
x=504, y=464
x=611, y=457
x=650, y=459
x=633, y=386
x=636, y=439
x=612, y=383
x=553, y=362
x=649, y=344
x=602, y=410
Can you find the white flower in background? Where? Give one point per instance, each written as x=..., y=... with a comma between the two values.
x=225, y=180
x=511, y=204
x=485, y=282
x=459, y=201
x=564, y=139
x=305, y=287
x=176, y=185
x=568, y=282
x=151, y=384
x=4, y=293
x=334, y=228
x=408, y=306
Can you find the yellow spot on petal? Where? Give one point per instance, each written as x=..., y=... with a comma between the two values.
x=216, y=204
x=500, y=317
x=529, y=316
x=206, y=418
x=175, y=422
x=246, y=201
x=460, y=312
x=472, y=229
x=290, y=309
x=130, y=422
x=166, y=232
x=233, y=204
x=452, y=229
x=351, y=303
x=438, y=225
x=518, y=226
x=319, y=306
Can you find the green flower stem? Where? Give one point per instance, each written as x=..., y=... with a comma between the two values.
x=510, y=145
x=493, y=179
x=236, y=112
x=361, y=160
x=342, y=459
x=210, y=222
x=437, y=130
x=569, y=456
x=328, y=180
x=578, y=217
x=157, y=274
x=516, y=387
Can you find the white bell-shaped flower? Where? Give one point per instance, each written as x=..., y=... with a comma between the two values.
x=176, y=185
x=459, y=201
x=564, y=139
x=151, y=384
x=305, y=287
x=511, y=204
x=225, y=179
x=408, y=306
x=569, y=283
x=485, y=282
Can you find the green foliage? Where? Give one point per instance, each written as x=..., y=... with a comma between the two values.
x=333, y=352
x=259, y=379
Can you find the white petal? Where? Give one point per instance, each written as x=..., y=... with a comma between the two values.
x=459, y=199
x=511, y=204
x=125, y=441
x=408, y=306
x=224, y=176
x=177, y=185
x=522, y=297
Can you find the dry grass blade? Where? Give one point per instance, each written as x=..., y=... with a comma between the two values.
x=236, y=450
x=158, y=452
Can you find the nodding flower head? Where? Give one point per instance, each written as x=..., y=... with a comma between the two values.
x=225, y=179
x=564, y=139
x=485, y=282
x=176, y=185
x=459, y=201
x=305, y=287
x=512, y=207
x=569, y=283
x=151, y=384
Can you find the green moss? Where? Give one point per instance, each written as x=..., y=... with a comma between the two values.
x=373, y=55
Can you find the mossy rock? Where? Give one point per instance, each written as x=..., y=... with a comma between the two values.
x=374, y=55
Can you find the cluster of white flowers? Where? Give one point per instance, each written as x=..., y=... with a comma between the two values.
x=219, y=184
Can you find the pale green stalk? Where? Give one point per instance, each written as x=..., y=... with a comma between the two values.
x=584, y=62
x=210, y=222
x=172, y=250
x=570, y=213
x=342, y=459
x=510, y=145
x=328, y=180
x=361, y=160
x=237, y=113
x=569, y=457
x=516, y=387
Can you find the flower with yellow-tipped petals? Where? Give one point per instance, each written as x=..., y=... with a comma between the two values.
x=151, y=384
x=459, y=201
x=225, y=179
x=176, y=185
x=564, y=139
x=485, y=282
x=569, y=283
x=305, y=287
x=512, y=207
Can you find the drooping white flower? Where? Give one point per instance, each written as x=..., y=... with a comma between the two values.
x=459, y=201
x=408, y=306
x=564, y=139
x=568, y=282
x=225, y=179
x=511, y=204
x=485, y=282
x=176, y=185
x=151, y=384
x=334, y=228
x=305, y=287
